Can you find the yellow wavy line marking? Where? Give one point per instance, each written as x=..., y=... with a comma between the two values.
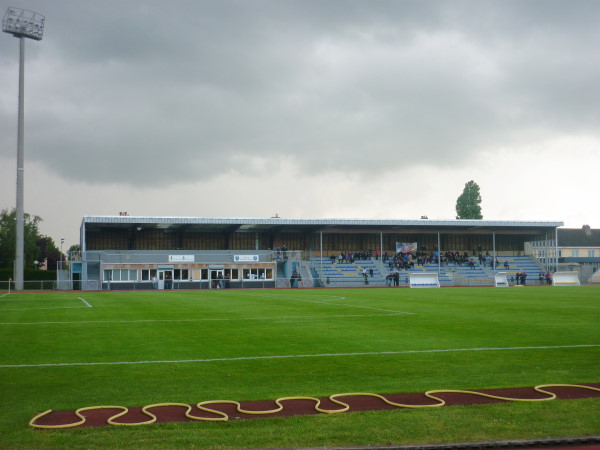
x=223, y=417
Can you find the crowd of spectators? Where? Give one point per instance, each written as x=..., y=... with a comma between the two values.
x=350, y=257
x=406, y=261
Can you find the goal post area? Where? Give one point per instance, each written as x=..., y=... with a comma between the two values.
x=424, y=280
x=565, y=279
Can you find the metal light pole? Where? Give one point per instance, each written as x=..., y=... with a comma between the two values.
x=21, y=24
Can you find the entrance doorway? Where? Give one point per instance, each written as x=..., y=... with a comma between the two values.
x=165, y=278
x=216, y=279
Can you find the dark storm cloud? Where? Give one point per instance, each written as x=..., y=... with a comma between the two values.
x=149, y=93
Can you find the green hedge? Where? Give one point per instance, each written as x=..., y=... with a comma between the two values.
x=29, y=275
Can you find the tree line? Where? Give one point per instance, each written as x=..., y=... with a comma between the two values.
x=38, y=248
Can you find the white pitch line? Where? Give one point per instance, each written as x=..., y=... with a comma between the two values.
x=328, y=303
x=88, y=305
x=25, y=298
x=336, y=316
x=321, y=355
x=35, y=309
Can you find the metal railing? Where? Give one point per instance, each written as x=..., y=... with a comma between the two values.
x=200, y=256
x=278, y=283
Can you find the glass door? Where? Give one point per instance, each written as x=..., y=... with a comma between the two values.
x=165, y=279
x=216, y=280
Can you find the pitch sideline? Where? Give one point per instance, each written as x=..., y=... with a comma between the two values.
x=319, y=355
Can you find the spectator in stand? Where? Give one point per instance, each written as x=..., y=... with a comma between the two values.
x=548, y=278
x=388, y=279
x=506, y=265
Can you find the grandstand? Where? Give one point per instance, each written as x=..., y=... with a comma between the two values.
x=140, y=252
x=350, y=274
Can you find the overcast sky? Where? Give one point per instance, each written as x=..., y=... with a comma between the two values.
x=307, y=109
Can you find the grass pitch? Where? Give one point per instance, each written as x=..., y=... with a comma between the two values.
x=64, y=351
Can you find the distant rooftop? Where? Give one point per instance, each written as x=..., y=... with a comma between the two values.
x=578, y=237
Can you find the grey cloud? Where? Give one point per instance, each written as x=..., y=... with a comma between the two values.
x=146, y=94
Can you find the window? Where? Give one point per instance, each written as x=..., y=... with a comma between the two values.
x=575, y=253
x=120, y=274
x=233, y=274
x=181, y=274
x=591, y=253
x=147, y=274
x=257, y=273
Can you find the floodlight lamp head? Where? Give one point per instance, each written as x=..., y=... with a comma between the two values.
x=23, y=23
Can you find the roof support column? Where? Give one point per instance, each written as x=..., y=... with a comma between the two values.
x=439, y=254
x=321, y=252
x=494, y=257
x=546, y=254
x=556, y=249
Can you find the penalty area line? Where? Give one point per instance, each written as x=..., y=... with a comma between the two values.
x=37, y=309
x=86, y=303
x=321, y=355
x=220, y=319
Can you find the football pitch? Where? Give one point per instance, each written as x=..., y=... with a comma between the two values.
x=68, y=350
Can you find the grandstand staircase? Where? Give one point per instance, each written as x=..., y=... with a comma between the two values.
x=519, y=264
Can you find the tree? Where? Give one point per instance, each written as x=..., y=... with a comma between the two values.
x=467, y=204
x=8, y=240
x=49, y=252
x=74, y=248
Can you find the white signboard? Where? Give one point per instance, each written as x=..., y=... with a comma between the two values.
x=181, y=258
x=406, y=247
x=245, y=258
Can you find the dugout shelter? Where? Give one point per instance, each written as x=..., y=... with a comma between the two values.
x=141, y=252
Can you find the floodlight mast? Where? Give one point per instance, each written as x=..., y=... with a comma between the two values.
x=22, y=24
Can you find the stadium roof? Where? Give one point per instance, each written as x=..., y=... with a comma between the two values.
x=216, y=224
